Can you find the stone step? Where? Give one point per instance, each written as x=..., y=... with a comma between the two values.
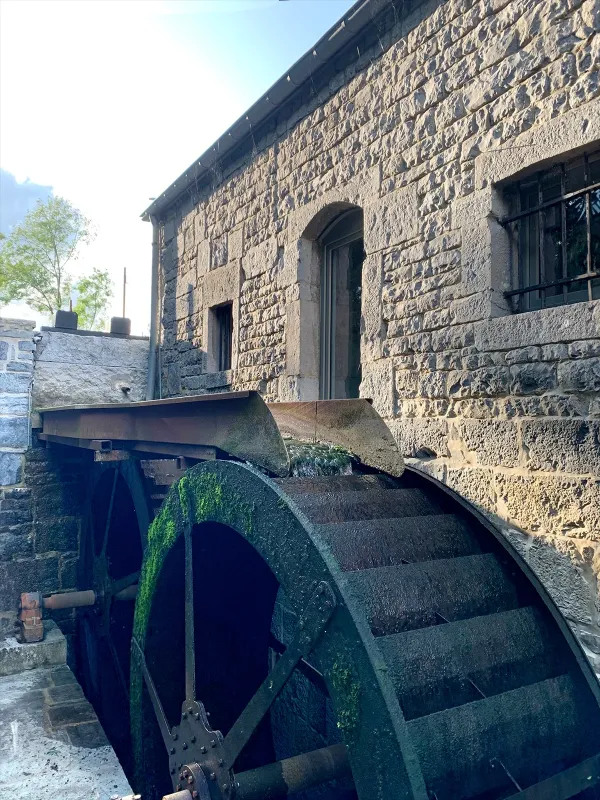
x=45, y=720
x=51, y=651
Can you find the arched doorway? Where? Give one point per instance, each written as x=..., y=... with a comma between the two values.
x=340, y=306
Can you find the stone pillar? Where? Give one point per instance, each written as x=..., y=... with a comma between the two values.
x=16, y=371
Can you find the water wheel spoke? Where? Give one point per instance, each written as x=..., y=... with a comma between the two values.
x=154, y=698
x=118, y=668
x=124, y=583
x=307, y=669
x=109, y=516
x=190, y=646
x=311, y=625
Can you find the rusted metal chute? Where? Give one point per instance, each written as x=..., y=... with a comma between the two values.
x=353, y=425
x=236, y=423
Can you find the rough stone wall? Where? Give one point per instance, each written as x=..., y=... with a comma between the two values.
x=16, y=371
x=422, y=132
x=42, y=489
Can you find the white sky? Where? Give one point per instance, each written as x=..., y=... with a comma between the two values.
x=108, y=101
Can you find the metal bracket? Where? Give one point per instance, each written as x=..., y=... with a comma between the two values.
x=30, y=627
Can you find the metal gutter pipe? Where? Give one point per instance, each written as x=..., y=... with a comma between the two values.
x=153, y=313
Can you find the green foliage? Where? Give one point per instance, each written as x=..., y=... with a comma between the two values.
x=95, y=293
x=35, y=260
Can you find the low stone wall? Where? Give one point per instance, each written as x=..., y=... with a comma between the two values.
x=80, y=369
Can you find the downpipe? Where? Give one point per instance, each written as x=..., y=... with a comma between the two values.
x=151, y=380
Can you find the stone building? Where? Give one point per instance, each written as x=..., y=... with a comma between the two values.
x=407, y=216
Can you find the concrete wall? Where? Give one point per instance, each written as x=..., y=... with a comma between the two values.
x=466, y=95
x=77, y=369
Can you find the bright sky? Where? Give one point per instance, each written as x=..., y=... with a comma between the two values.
x=109, y=101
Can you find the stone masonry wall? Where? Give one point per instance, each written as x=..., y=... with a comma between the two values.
x=16, y=372
x=422, y=132
x=43, y=488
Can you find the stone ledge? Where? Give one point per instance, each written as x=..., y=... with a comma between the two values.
x=16, y=657
x=72, y=754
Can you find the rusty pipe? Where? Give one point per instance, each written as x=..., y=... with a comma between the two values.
x=293, y=774
x=69, y=600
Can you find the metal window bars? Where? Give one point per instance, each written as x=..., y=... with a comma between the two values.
x=557, y=262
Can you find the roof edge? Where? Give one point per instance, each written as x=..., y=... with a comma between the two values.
x=345, y=29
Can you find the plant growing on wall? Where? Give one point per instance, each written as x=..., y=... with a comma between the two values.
x=36, y=259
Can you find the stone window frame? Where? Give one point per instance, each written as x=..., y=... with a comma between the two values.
x=220, y=287
x=390, y=218
x=485, y=244
x=522, y=295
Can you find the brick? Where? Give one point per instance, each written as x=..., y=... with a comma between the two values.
x=67, y=714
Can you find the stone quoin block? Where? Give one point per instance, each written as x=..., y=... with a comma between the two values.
x=14, y=432
x=11, y=468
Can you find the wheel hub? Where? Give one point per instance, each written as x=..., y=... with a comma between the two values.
x=197, y=759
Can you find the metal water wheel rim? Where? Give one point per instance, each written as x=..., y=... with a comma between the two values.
x=392, y=763
x=380, y=748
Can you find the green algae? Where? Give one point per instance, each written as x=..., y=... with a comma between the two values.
x=198, y=496
x=347, y=693
x=313, y=459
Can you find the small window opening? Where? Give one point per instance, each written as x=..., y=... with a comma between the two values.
x=554, y=228
x=224, y=335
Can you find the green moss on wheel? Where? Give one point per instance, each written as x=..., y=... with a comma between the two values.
x=314, y=459
x=348, y=710
x=198, y=496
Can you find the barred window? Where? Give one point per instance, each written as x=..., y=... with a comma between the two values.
x=554, y=228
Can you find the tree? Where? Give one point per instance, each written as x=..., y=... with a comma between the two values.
x=35, y=257
x=95, y=292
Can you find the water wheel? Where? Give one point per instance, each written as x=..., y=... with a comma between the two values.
x=112, y=551
x=349, y=636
